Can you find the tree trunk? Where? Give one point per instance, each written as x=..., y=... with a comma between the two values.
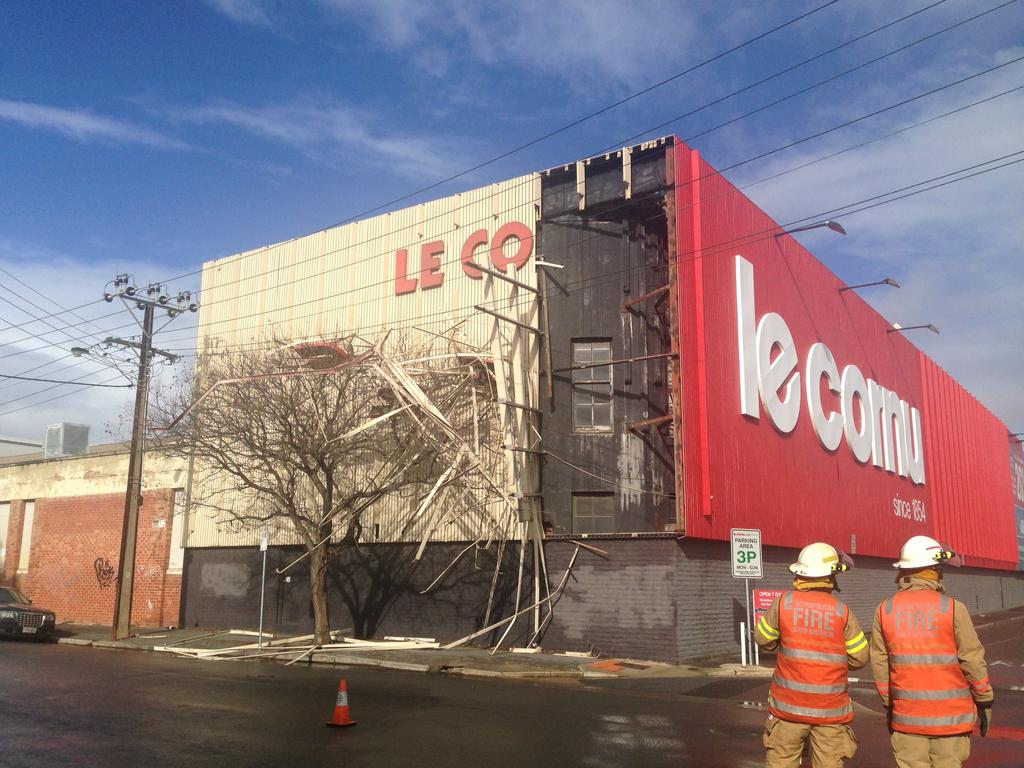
x=318, y=595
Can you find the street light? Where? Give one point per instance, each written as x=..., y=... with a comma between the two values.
x=79, y=351
x=883, y=281
x=896, y=327
x=835, y=226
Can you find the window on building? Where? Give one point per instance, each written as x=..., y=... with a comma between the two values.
x=593, y=513
x=592, y=386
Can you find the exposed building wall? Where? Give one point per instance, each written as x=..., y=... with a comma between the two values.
x=657, y=599
x=75, y=535
x=103, y=470
x=611, y=251
x=74, y=559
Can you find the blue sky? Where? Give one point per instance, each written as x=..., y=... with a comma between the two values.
x=150, y=137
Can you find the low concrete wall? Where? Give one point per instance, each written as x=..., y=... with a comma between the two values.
x=657, y=599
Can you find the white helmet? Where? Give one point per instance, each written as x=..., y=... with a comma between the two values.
x=925, y=552
x=818, y=560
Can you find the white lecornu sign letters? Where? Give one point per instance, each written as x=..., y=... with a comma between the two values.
x=890, y=428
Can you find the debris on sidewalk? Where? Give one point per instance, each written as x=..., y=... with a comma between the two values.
x=286, y=646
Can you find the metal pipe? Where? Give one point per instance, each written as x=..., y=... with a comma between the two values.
x=617, y=362
x=507, y=319
x=644, y=297
x=501, y=276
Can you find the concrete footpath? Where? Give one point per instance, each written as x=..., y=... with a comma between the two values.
x=468, y=661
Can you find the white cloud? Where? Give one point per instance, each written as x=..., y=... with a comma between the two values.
x=580, y=41
x=41, y=348
x=243, y=11
x=955, y=250
x=83, y=125
x=334, y=133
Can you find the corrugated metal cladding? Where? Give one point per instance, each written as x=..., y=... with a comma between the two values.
x=747, y=466
x=400, y=271
x=224, y=516
x=966, y=453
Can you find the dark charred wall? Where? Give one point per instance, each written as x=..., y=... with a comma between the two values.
x=375, y=590
x=611, y=474
x=660, y=599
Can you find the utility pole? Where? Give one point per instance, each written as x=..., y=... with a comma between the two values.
x=153, y=300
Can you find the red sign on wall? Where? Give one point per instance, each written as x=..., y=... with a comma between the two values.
x=763, y=599
x=511, y=244
x=804, y=413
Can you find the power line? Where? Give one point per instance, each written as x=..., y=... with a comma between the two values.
x=47, y=298
x=592, y=115
x=788, y=69
x=42, y=402
x=19, y=326
x=55, y=329
x=741, y=239
x=622, y=101
x=827, y=80
x=761, y=156
x=726, y=246
x=52, y=387
x=627, y=203
x=710, y=130
x=55, y=381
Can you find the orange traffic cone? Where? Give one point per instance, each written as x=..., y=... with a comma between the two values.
x=341, y=716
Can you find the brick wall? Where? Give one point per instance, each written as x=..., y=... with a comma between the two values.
x=656, y=599
x=73, y=563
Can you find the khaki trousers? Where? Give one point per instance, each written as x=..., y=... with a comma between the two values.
x=784, y=742
x=913, y=750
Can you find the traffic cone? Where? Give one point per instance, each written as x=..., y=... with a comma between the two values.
x=341, y=716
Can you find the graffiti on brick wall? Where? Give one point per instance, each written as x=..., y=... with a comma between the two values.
x=104, y=572
x=148, y=569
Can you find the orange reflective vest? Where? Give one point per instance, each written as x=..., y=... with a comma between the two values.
x=928, y=690
x=810, y=685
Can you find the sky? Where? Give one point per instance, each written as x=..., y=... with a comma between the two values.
x=147, y=138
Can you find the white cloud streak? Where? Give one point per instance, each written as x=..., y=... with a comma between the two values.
x=44, y=352
x=243, y=11
x=581, y=41
x=333, y=133
x=955, y=250
x=84, y=126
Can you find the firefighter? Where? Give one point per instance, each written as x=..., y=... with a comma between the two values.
x=818, y=638
x=928, y=663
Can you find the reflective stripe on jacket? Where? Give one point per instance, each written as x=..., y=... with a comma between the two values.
x=927, y=689
x=810, y=685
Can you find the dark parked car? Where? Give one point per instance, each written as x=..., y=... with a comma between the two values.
x=19, y=617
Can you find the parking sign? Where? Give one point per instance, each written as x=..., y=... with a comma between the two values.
x=746, y=553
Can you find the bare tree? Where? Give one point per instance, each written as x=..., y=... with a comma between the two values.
x=311, y=437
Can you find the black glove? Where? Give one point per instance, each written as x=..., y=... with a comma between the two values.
x=888, y=718
x=985, y=716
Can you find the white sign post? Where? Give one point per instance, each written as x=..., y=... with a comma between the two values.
x=263, y=584
x=745, y=548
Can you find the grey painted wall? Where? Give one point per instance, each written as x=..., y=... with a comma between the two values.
x=656, y=599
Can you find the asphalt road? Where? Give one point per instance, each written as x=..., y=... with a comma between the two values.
x=70, y=706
